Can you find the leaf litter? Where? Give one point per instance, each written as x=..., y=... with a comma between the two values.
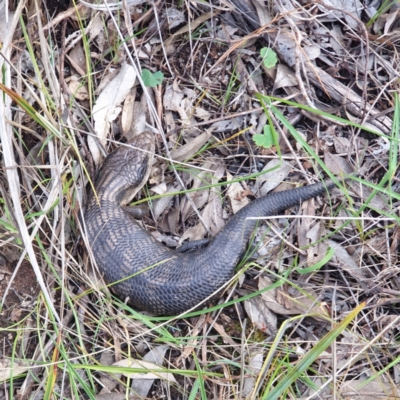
x=204, y=64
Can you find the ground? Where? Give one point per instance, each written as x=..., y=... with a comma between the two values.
x=243, y=99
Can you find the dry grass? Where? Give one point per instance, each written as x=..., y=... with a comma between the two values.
x=317, y=314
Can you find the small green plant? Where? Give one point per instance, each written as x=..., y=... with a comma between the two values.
x=269, y=57
x=150, y=79
x=266, y=139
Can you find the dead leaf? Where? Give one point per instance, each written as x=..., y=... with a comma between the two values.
x=212, y=172
x=342, y=144
x=142, y=387
x=77, y=88
x=173, y=97
x=8, y=369
x=255, y=364
x=107, y=107
x=15, y=314
x=127, y=116
x=316, y=252
x=290, y=301
x=260, y=315
x=235, y=195
x=225, y=337
x=337, y=165
x=212, y=214
x=264, y=16
x=155, y=371
x=306, y=223
x=77, y=59
x=161, y=204
x=161, y=188
x=277, y=171
x=192, y=147
x=376, y=389
x=227, y=125
x=174, y=17
x=286, y=46
x=212, y=217
x=351, y=7
x=364, y=192
x=108, y=381
x=345, y=261
x=284, y=77
x=202, y=114
x=190, y=27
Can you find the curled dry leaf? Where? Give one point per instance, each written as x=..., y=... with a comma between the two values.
x=127, y=118
x=107, y=107
x=161, y=188
x=267, y=241
x=172, y=98
x=95, y=28
x=263, y=13
x=377, y=244
x=174, y=17
x=202, y=114
x=306, y=223
x=227, y=125
x=191, y=27
x=212, y=217
x=342, y=144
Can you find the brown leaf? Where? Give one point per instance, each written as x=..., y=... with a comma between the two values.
x=290, y=301
x=235, y=195
x=337, y=165
x=261, y=316
x=192, y=147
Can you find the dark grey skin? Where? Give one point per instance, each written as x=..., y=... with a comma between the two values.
x=166, y=282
